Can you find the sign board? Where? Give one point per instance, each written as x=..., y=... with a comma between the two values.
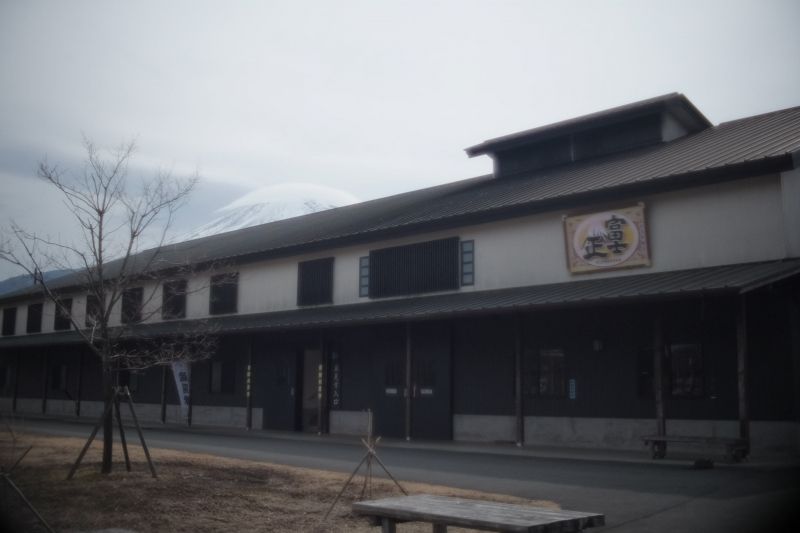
x=607, y=240
x=181, y=371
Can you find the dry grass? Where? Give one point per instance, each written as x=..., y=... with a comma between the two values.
x=194, y=492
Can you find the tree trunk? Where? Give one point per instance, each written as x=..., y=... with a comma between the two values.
x=108, y=423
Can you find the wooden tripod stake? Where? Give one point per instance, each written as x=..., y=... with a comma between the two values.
x=368, y=458
x=6, y=475
x=125, y=394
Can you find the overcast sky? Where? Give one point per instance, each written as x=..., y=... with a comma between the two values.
x=372, y=98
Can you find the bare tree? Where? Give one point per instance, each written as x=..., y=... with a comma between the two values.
x=117, y=216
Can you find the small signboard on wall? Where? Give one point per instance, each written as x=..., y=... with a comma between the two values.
x=607, y=240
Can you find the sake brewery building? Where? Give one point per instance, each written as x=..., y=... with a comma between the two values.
x=627, y=271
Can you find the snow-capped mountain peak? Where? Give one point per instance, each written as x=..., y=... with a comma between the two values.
x=271, y=203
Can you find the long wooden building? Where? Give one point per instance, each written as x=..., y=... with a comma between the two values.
x=627, y=272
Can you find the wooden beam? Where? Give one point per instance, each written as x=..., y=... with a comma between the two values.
x=189, y=409
x=248, y=384
x=658, y=375
x=408, y=381
x=16, y=384
x=44, y=382
x=518, y=403
x=164, y=371
x=741, y=369
x=80, y=384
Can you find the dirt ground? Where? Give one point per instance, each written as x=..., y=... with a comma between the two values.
x=194, y=492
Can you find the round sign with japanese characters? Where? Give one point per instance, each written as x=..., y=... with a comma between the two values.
x=606, y=239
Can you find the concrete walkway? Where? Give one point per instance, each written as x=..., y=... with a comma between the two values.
x=633, y=491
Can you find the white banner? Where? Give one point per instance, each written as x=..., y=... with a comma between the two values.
x=181, y=371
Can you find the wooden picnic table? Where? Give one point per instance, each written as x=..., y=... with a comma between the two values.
x=443, y=511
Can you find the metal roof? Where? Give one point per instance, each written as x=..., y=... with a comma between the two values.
x=721, y=279
x=747, y=147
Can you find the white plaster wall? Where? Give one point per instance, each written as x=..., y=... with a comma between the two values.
x=735, y=222
x=790, y=187
x=348, y=422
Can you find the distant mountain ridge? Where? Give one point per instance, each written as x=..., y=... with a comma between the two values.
x=24, y=280
x=271, y=203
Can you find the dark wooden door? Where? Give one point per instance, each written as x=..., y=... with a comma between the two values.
x=389, y=382
x=280, y=405
x=431, y=409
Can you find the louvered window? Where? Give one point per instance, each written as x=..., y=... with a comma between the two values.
x=315, y=282
x=414, y=269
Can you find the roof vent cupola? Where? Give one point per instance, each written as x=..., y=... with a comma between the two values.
x=648, y=122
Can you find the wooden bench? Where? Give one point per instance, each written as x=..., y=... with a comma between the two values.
x=443, y=511
x=736, y=450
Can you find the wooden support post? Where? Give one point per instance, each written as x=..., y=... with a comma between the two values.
x=249, y=384
x=658, y=375
x=409, y=390
x=122, y=432
x=90, y=440
x=16, y=385
x=189, y=408
x=164, y=377
x=741, y=369
x=388, y=525
x=80, y=384
x=139, y=430
x=44, y=383
x=518, y=404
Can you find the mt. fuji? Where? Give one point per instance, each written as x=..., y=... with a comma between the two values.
x=271, y=203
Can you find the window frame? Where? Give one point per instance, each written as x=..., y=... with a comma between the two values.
x=222, y=282
x=29, y=324
x=533, y=373
x=132, y=296
x=92, y=304
x=305, y=269
x=9, y=327
x=168, y=298
x=62, y=322
x=697, y=387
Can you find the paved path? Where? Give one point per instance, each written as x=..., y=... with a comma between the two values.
x=635, y=495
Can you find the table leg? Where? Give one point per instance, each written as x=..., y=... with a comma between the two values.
x=439, y=528
x=388, y=526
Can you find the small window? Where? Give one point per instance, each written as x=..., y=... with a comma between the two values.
x=58, y=377
x=173, y=299
x=363, y=276
x=315, y=282
x=34, y=324
x=63, y=313
x=132, y=300
x=9, y=320
x=224, y=293
x=467, y=263
x=686, y=370
x=544, y=373
x=222, y=377
x=93, y=310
